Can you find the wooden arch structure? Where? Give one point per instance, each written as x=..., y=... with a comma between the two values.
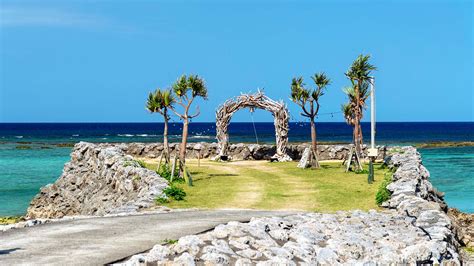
x=261, y=101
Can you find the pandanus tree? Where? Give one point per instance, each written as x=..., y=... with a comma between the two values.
x=349, y=112
x=187, y=89
x=308, y=100
x=159, y=102
x=359, y=75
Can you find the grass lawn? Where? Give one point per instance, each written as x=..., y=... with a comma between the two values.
x=9, y=220
x=265, y=185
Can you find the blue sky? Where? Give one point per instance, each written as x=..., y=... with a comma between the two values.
x=95, y=61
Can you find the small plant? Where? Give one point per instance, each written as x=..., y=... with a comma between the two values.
x=175, y=192
x=383, y=194
x=170, y=241
x=141, y=163
x=136, y=178
x=129, y=163
x=361, y=171
x=162, y=200
x=165, y=172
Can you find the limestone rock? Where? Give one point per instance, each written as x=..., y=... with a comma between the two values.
x=100, y=179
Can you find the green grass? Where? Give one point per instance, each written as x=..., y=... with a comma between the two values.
x=469, y=250
x=264, y=185
x=10, y=220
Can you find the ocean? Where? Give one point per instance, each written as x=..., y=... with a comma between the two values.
x=33, y=154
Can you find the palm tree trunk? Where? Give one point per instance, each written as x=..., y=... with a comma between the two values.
x=166, y=146
x=184, y=141
x=356, y=134
x=314, y=144
x=357, y=119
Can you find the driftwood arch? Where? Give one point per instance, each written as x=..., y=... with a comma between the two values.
x=261, y=101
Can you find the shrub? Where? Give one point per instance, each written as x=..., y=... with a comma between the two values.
x=175, y=192
x=383, y=193
x=165, y=172
x=162, y=200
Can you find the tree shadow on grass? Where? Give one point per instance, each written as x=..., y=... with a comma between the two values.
x=210, y=176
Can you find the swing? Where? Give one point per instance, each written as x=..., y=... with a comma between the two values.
x=252, y=109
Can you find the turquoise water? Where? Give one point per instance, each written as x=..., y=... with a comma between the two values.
x=25, y=171
x=452, y=172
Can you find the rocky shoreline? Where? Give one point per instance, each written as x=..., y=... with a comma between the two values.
x=100, y=179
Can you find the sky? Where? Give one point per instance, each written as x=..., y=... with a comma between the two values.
x=96, y=61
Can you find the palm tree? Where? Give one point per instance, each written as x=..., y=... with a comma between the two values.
x=187, y=89
x=349, y=109
x=159, y=102
x=302, y=97
x=359, y=75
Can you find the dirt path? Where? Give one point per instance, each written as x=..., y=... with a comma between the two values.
x=249, y=194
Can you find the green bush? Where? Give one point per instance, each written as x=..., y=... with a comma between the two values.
x=175, y=192
x=162, y=200
x=165, y=172
x=383, y=193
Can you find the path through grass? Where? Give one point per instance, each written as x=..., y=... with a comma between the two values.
x=265, y=185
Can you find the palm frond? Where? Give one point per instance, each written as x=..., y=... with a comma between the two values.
x=197, y=86
x=298, y=91
x=360, y=69
x=180, y=87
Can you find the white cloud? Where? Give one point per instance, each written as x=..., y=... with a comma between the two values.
x=14, y=17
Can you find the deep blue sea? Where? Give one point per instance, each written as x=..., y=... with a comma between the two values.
x=24, y=171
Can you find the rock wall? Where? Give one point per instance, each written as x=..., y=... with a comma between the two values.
x=341, y=238
x=414, y=196
x=464, y=226
x=100, y=179
x=242, y=151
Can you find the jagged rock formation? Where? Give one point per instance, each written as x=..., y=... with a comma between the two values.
x=242, y=151
x=100, y=179
x=349, y=238
x=464, y=226
x=414, y=196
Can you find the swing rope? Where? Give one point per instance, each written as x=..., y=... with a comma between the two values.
x=253, y=123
